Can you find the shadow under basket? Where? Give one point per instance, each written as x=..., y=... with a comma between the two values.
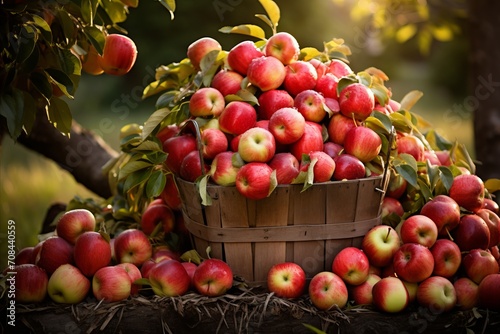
x=308, y=228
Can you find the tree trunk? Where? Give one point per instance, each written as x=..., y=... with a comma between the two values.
x=484, y=98
x=83, y=154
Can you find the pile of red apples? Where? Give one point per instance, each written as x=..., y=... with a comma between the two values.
x=79, y=262
x=444, y=258
x=295, y=121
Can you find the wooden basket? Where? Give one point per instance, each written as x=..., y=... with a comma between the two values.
x=308, y=228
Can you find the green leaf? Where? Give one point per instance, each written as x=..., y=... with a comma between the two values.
x=409, y=160
x=410, y=99
x=170, y=6
x=132, y=167
x=381, y=93
x=437, y=142
x=461, y=156
x=148, y=145
x=446, y=177
x=42, y=84
x=116, y=11
x=424, y=190
x=266, y=20
x=245, y=29
x=206, y=200
x=166, y=99
x=153, y=121
x=400, y=122
x=155, y=184
x=26, y=43
x=60, y=115
x=62, y=80
x=379, y=122
x=89, y=10
x=44, y=28
x=156, y=157
x=313, y=329
x=248, y=96
x=96, y=37
x=408, y=173
x=191, y=256
x=12, y=108
x=67, y=26
x=309, y=53
x=272, y=10
x=136, y=178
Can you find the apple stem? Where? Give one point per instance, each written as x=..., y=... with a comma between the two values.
x=448, y=232
x=388, y=232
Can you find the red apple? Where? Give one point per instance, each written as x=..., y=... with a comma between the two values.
x=419, y=229
x=286, y=166
x=200, y=48
x=253, y=180
x=287, y=125
x=73, y=223
x=447, y=258
x=92, y=252
x=321, y=67
x=413, y=262
x=25, y=256
x=241, y=55
x=467, y=293
x=111, y=284
x=190, y=268
x=338, y=127
x=390, y=295
x=273, y=100
x=323, y=168
x=283, y=46
x=362, y=294
x=493, y=221
x=237, y=117
x=412, y=291
x=132, y=246
x=468, y=192
x=444, y=212
x=489, y=292
x=166, y=132
x=90, y=62
x=491, y=205
x=177, y=148
x=411, y=145
x=286, y=280
x=29, y=283
x=213, y=277
x=348, y=167
x=326, y=85
x=397, y=186
x=54, y=251
x=356, y=100
x=478, y=264
x=134, y=273
x=379, y=245
x=332, y=149
x=327, y=290
x=363, y=143
x=157, y=214
x=223, y=170
x=206, y=101
x=170, y=193
x=391, y=206
x=472, y=232
x=119, y=55
x=352, y=265
x=227, y=82
x=310, y=141
x=339, y=68
x=169, y=278
x=266, y=73
x=191, y=166
x=311, y=105
x=300, y=76
x=68, y=285
x=437, y=294
x=257, y=145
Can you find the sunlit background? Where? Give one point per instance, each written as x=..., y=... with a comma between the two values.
x=30, y=183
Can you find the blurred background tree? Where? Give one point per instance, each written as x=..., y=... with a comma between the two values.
x=421, y=45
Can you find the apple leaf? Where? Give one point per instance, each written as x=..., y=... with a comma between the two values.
x=381, y=93
x=408, y=173
x=309, y=53
x=409, y=160
x=373, y=71
x=346, y=81
x=461, y=157
x=313, y=329
x=191, y=256
x=153, y=121
x=89, y=10
x=60, y=115
x=309, y=180
x=492, y=185
x=12, y=108
x=424, y=190
x=400, y=122
x=236, y=160
x=170, y=6
x=437, y=142
x=446, y=177
x=131, y=167
x=136, y=178
x=410, y=99
x=206, y=200
x=272, y=11
x=142, y=281
x=43, y=27
x=245, y=29
x=379, y=123
x=274, y=182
